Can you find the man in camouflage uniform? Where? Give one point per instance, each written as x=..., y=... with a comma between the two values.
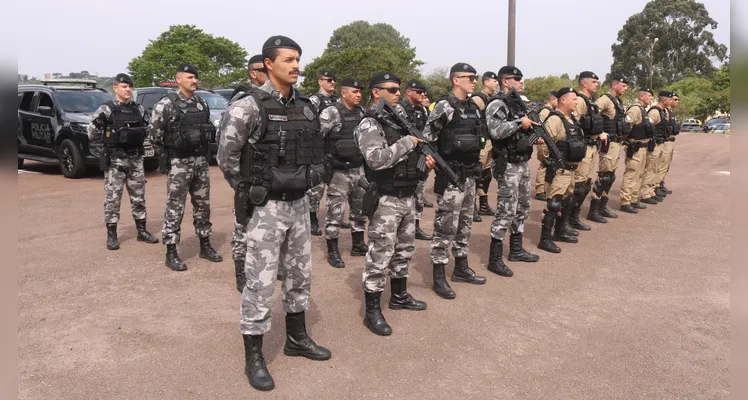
x=118, y=131
x=391, y=166
x=456, y=128
x=271, y=154
x=511, y=151
x=490, y=83
x=343, y=170
x=257, y=76
x=417, y=115
x=180, y=126
x=321, y=100
x=550, y=104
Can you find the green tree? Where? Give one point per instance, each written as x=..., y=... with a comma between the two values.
x=537, y=89
x=219, y=61
x=359, y=50
x=685, y=46
x=437, y=82
x=702, y=97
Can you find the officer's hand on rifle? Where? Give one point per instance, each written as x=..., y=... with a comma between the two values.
x=540, y=141
x=604, y=137
x=415, y=140
x=527, y=122
x=430, y=163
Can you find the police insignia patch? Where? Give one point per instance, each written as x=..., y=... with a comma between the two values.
x=277, y=42
x=280, y=118
x=386, y=76
x=199, y=106
x=364, y=125
x=464, y=66
x=308, y=113
x=629, y=118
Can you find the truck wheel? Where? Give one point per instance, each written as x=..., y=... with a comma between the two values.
x=71, y=161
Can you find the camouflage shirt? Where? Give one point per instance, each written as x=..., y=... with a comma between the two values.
x=496, y=120
x=330, y=121
x=163, y=115
x=370, y=138
x=241, y=125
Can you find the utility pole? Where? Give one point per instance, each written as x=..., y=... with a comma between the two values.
x=651, y=60
x=511, y=34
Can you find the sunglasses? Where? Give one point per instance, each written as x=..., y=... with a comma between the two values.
x=516, y=78
x=328, y=79
x=392, y=90
x=418, y=91
x=472, y=78
x=258, y=69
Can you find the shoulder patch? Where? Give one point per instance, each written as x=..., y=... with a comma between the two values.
x=236, y=112
x=365, y=124
x=629, y=118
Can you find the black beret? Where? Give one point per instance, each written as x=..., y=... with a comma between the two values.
x=646, y=90
x=553, y=93
x=563, y=91
x=489, y=75
x=462, y=67
x=326, y=72
x=416, y=84
x=256, y=59
x=354, y=83
x=665, y=93
x=510, y=70
x=619, y=78
x=587, y=74
x=124, y=78
x=675, y=95
x=381, y=77
x=189, y=68
x=279, y=42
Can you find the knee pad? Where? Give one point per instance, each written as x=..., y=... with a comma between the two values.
x=556, y=203
x=599, y=186
x=587, y=187
x=580, y=189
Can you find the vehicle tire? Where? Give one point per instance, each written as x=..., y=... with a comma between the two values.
x=71, y=160
x=150, y=165
x=20, y=162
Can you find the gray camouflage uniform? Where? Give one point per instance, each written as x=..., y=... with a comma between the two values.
x=514, y=184
x=278, y=233
x=453, y=219
x=343, y=187
x=392, y=228
x=187, y=175
x=315, y=194
x=125, y=169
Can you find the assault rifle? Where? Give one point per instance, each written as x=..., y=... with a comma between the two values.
x=425, y=148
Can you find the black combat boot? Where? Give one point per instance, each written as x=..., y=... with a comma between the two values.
x=401, y=299
x=373, y=319
x=660, y=193
x=111, y=237
x=463, y=273
x=358, y=247
x=428, y=204
x=604, y=210
x=638, y=206
x=241, y=279
x=495, y=262
x=476, y=214
x=333, y=255
x=441, y=287
x=658, y=198
x=421, y=235
x=546, y=237
x=541, y=197
x=629, y=208
x=315, y=224
x=574, y=221
x=562, y=234
x=255, y=367
x=207, y=251
x=298, y=342
x=485, y=209
x=172, y=258
x=563, y=221
x=594, y=213
x=345, y=225
x=517, y=252
x=649, y=200
x=143, y=234
x=664, y=189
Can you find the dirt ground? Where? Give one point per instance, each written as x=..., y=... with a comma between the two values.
x=639, y=309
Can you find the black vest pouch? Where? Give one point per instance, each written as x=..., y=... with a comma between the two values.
x=523, y=145
x=258, y=195
x=596, y=124
x=577, y=150
x=440, y=184
x=315, y=174
x=132, y=136
x=347, y=149
x=585, y=123
x=467, y=143
x=288, y=181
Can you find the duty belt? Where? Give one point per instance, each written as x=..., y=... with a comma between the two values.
x=176, y=153
x=117, y=151
x=591, y=141
x=286, y=196
x=400, y=193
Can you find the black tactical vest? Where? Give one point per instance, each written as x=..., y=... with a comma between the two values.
x=416, y=114
x=287, y=159
x=516, y=147
x=573, y=148
x=241, y=88
x=673, y=123
x=402, y=179
x=341, y=145
x=462, y=138
x=614, y=126
x=125, y=127
x=192, y=130
x=644, y=129
x=325, y=101
x=663, y=128
x=592, y=123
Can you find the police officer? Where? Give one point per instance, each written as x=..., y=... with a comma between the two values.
x=661, y=122
x=321, y=100
x=391, y=164
x=417, y=115
x=118, y=126
x=641, y=131
x=570, y=140
x=550, y=104
x=180, y=126
x=456, y=127
x=490, y=83
x=257, y=75
x=665, y=143
x=591, y=122
x=271, y=155
x=669, y=146
x=344, y=170
x=613, y=113
x=511, y=151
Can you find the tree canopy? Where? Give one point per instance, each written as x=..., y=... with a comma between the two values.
x=703, y=97
x=220, y=61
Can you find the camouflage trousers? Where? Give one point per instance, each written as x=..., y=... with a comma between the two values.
x=344, y=188
x=453, y=222
x=514, y=200
x=420, y=198
x=392, y=242
x=315, y=197
x=187, y=175
x=278, y=237
x=124, y=171
x=238, y=239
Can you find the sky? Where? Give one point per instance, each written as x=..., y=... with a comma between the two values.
x=78, y=35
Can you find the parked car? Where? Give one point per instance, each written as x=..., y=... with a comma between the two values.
x=226, y=93
x=53, y=121
x=721, y=129
x=690, y=127
x=714, y=122
x=692, y=121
